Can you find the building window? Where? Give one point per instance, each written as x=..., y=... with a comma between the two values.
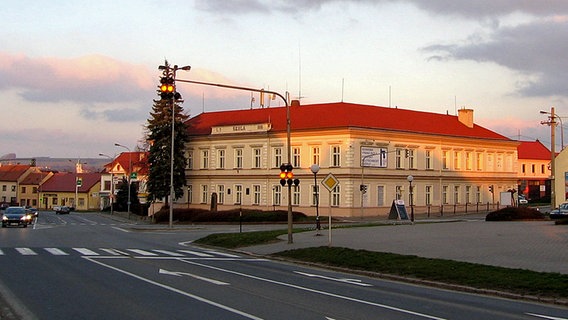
x=296, y=195
x=542, y=168
x=478, y=194
x=189, y=193
x=190, y=159
x=13, y=188
x=34, y=190
x=468, y=161
x=380, y=196
x=315, y=194
x=533, y=168
x=444, y=194
x=276, y=195
x=399, y=163
x=204, y=159
x=221, y=194
x=238, y=194
x=335, y=156
x=446, y=160
x=479, y=160
x=257, y=157
x=277, y=157
x=457, y=160
x=256, y=194
x=428, y=195
x=335, y=196
x=467, y=194
x=457, y=194
x=428, y=158
x=296, y=157
x=221, y=158
x=23, y=189
x=239, y=158
x=523, y=168
x=204, y=193
x=316, y=155
x=411, y=162
x=398, y=191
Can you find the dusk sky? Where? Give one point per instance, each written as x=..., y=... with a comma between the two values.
x=78, y=76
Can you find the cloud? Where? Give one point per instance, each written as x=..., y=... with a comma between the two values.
x=92, y=78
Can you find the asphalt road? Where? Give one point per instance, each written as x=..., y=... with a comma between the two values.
x=87, y=266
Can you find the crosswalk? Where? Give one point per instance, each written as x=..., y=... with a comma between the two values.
x=133, y=252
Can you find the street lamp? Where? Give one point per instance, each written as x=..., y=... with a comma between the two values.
x=111, y=197
x=175, y=98
x=128, y=172
x=410, y=178
x=315, y=169
x=552, y=123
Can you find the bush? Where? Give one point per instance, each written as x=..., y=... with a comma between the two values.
x=229, y=216
x=515, y=213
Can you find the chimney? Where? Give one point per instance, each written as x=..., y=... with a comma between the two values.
x=465, y=116
x=295, y=103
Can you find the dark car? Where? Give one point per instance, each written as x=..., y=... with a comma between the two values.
x=62, y=210
x=16, y=216
x=561, y=212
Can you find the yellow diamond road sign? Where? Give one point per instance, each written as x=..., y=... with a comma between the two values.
x=330, y=182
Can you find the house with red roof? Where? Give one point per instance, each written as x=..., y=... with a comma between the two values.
x=534, y=170
x=234, y=159
x=30, y=186
x=79, y=190
x=11, y=176
x=133, y=164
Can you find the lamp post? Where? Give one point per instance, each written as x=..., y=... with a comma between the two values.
x=552, y=123
x=410, y=178
x=315, y=169
x=128, y=172
x=288, y=130
x=174, y=69
x=111, y=196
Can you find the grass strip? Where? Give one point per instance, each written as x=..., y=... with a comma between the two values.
x=518, y=281
x=245, y=239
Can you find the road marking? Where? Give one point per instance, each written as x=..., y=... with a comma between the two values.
x=1, y=252
x=223, y=254
x=325, y=293
x=86, y=252
x=169, y=253
x=114, y=252
x=120, y=229
x=356, y=282
x=197, y=253
x=57, y=252
x=179, y=274
x=187, y=294
x=26, y=251
x=545, y=317
x=142, y=252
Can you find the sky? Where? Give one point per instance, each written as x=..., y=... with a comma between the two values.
x=76, y=76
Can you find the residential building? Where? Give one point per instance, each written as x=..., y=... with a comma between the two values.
x=30, y=186
x=11, y=176
x=134, y=164
x=237, y=155
x=534, y=170
x=78, y=190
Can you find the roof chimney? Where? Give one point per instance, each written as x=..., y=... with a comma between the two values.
x=295, y=103
x=465, y=116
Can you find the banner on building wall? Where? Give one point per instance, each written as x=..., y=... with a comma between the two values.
x=374, y=157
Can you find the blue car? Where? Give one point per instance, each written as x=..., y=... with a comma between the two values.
x=561, y=212
x=18, y=216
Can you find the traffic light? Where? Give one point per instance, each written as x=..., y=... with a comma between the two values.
x=491, y=188
x=363, y=188
x=287, y=176
x=167, y=87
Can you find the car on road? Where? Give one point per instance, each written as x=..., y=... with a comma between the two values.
x=523, y=199
x=62, y=210
x=16, y=216
x=561, y=212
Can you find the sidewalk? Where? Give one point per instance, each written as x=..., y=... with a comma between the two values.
x=533, y=245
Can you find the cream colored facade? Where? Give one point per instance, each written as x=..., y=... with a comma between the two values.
x=242, y=167
x=561, y=177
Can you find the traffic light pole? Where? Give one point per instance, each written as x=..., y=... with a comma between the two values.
x=288, y=130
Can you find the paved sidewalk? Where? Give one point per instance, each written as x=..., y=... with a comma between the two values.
x=533, y=245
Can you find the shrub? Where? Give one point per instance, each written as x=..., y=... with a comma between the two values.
x=228, y=216
x=515, y=213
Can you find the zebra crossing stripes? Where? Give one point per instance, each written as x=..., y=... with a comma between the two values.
x=91, y=252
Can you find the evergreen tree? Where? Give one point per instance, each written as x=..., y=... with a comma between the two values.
x=122, y=196
x=159, y=134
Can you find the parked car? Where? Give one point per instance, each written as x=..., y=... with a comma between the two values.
x=561, y=212
x=16, y=216
x=523, y=199
x=62, y=210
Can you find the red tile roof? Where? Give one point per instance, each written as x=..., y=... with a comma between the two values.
x=342, y=115
x=533, y=150
x=65, y=182
x=139, y=162
x=12, y=172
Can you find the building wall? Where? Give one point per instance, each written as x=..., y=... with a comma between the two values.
x=561, y=177
x=243, y=170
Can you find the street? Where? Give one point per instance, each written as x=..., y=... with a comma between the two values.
x=89, y=266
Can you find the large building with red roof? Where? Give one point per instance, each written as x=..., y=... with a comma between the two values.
x=78, y=190
x=371, y=151
x=534, y=170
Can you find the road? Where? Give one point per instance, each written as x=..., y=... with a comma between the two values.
x=87, y=266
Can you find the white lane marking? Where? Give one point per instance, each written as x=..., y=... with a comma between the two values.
x=356, y=282
x=86, y=252
x=120, y=229
x=179, y=274
x=26, y=251
x=56, y=252
x=197, y=253
x=114, y=252
x=1, y=252
x=223, y=254
x=545, y=317
x=325, y=293
x=187, y=294
x=169, y=253
x=142, y=252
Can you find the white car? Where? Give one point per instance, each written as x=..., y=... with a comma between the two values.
x=523, y=200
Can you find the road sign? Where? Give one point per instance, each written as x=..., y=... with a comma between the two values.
x=330, y=182
x=134, y=175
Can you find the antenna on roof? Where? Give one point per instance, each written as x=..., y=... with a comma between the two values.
x=299, y=71
x=390, y=96
x=342, y=88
